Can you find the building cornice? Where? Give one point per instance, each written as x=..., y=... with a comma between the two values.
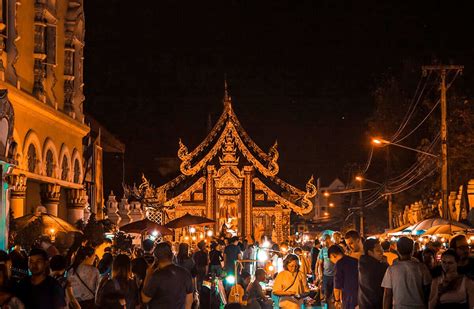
x=46, y=179
x=20, y=98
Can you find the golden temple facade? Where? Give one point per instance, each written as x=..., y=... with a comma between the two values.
x=230, y=179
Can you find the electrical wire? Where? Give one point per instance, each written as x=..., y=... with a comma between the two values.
x=411, y=109
x=430, y=112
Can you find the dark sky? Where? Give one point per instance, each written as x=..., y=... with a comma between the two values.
x=301, y=72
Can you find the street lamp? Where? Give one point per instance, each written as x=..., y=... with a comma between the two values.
x=360, y=179
x=383, y=142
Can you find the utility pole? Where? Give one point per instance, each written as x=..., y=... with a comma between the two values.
x=390, y=211
x=442, y=70
x=361, y=214
x=389, y=197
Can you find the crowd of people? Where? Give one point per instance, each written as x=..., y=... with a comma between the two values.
x=337, y=271
x=354, y=272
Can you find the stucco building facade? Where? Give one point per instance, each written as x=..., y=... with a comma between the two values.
x=41, y=68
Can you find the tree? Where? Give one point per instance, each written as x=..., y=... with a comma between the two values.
x=94, y=231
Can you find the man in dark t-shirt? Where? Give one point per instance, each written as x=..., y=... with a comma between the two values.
x=167, y=285
x=40, y=290
x=345, y=278
x=231, y=254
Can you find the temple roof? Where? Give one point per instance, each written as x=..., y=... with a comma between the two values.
x=227, y=139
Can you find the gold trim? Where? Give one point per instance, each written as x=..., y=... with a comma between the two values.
x=306, y=207
x=272, y=169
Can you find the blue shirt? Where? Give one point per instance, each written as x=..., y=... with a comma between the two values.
x=328, y=266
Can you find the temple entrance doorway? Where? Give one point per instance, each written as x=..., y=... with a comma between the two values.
x=228, y=217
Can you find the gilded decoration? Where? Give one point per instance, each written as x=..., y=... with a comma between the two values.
x=186, y=195
x=229, y=166
x=307, y=205
x=271, y=169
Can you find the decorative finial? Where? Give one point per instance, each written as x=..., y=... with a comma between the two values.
x=227, y=98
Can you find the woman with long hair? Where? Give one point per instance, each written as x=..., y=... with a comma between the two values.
x=119, y=290
x=451, y=289
x=290, y=284
x=84, y=277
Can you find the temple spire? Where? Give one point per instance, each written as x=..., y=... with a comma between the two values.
x=227, y=98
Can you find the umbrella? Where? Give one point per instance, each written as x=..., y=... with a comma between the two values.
x=446, y=229
x=429, y=223
x=146, y=225
x=397, y=230
x=188, y=220
x=48, y=222
x=327, y=232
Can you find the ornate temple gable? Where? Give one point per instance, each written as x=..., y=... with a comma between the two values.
x=228, y=177
x=188, y=194
x=306, y=204
x=268, y=170
x=227, y=116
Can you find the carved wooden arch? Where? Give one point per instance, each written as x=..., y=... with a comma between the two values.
x=65, y=153
x=77, y=156
x=31, y=138
x=49, y=145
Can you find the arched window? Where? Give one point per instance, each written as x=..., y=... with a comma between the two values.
x=77, y=171
x=64, y=168
x=31, y=158
x=49, y=163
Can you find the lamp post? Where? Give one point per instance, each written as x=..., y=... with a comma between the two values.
x=382, y=142
x=360, y=179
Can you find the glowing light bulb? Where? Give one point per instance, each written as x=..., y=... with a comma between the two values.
x=154, y=233
x=230, y=279
x=193, y=238
x=262, y=256
x=201, y=236
x=186, y=238
x=192, y=230
x=209, y=233
x=52, y=231
x=271, y=268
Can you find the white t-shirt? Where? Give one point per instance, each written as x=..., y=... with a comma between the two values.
x=406, y=279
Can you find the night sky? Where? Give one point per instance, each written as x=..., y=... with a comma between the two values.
x=302, y=72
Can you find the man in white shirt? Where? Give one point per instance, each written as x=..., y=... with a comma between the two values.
x=406, y=282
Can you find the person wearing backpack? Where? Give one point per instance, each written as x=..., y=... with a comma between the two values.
x=119, y=290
